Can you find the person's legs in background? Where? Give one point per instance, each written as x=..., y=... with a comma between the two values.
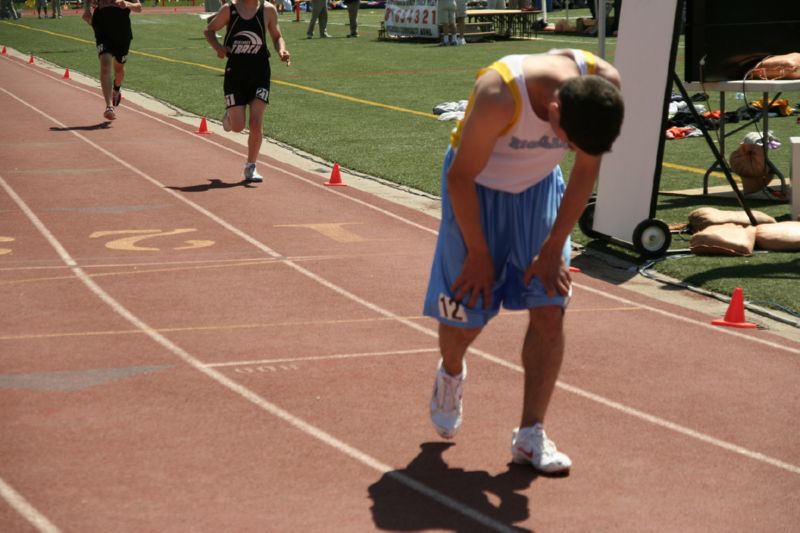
x=323, y=20
x=352, y=13
x=461, y=17
x=119, y=77
x=106, y=82
x=316, y=9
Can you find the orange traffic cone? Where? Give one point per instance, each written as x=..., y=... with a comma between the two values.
x=203, y=127
x=336, y=177
x=734, y=317
x=4, y=52
x=66, y=74
x=30, y=61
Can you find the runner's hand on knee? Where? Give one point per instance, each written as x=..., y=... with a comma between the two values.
x=476, y=279
x=553, y=274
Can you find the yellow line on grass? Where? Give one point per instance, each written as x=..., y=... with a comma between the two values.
x=694, y=170
x=356, y=100
x=64, y=35
x=221, y=70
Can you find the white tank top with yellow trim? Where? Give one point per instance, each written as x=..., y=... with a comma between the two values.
x=528, y=150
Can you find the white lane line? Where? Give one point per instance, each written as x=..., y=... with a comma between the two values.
x=322, y=357
x=330, y=190
x=422, y=329
x=235, y=387
x=21, y=505
x=695, y=322
x=724, y=331
x=210, y=141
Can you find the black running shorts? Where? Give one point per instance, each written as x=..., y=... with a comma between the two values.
x=242, y=85
x=112, y=32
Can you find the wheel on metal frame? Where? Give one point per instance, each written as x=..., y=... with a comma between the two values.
x=651, y=238
x=586, y=222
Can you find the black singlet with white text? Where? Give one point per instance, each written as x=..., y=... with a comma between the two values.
x=247, y=73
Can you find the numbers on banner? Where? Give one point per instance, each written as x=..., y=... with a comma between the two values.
x=415, y=20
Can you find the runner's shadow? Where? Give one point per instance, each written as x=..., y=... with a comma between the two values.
x=399, y=507
x=212, y=184
x=100, y=126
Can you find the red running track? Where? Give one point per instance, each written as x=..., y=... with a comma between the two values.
x=180, y=351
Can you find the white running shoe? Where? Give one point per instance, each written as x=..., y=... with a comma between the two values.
x=530, y=446
x=251, y=174
x=462, y=41
x=109, y=113
x=446, y=402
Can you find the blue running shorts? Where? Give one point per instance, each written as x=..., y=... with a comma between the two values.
x=515, y=226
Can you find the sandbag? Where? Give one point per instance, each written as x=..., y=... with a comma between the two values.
x=748, y=162
x=779, y=237
x=724, y=239
x=781, y=67
x=703, y=217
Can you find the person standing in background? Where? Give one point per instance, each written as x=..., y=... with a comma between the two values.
x=461, y=17
x=447, y=18
x=41, y=5
x=7, y=10
x=352, y=12
x=319, y=11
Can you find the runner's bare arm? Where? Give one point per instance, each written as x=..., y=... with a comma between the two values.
x=217, y=22
x=135, y=6
x=548, y=266
x=87, y=11
x=275, y=33
x=491, y=111
x=604, y=68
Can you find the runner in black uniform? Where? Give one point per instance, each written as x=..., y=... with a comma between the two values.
x=247, y=73
x=111, y=21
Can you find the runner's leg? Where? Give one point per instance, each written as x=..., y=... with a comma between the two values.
x=542, y=353
x=256, y=125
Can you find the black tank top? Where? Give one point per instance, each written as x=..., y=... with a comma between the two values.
x=245, y=39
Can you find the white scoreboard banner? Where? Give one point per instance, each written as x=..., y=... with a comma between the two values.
x=411, y=18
